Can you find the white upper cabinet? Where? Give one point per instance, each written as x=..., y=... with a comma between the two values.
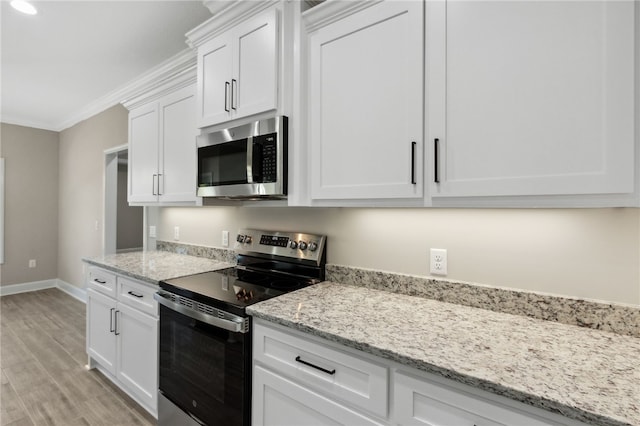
x=162, y=150
x=214, y=81
x=530, y=98
x=365, y=101
x=178, y=147
x=238, y=71
x=143, y=154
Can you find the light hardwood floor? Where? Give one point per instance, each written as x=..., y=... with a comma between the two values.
x=43, y=375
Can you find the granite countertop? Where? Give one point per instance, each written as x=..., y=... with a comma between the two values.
x=585, y=374
x=155, y=266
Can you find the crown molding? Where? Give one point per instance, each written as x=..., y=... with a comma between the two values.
x=175, y=73
x=226, y=14
x=330, y=11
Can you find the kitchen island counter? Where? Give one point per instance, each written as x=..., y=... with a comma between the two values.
x=584, y=374
x=155, y=266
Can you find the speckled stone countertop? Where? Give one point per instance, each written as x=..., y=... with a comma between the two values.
x=155, y=266
x=588, y=375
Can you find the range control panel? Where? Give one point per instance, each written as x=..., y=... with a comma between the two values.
x=294, y=245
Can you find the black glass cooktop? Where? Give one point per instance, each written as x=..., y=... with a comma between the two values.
x=234, y=289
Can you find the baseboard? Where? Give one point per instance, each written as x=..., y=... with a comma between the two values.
x=7, y=290
x=71, y=290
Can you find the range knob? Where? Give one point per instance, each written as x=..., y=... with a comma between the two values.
x=293, y=244
x=313, y=246
x=302, y=245
x=240, y=238
x=247, y=239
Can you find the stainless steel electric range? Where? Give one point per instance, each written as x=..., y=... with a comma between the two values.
x=205, y=333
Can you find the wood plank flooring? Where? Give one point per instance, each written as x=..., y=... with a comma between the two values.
x=42, y=362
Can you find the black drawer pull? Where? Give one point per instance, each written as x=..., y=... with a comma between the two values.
x=436, y=160
x=99, y=281
x=413, y=163
x=111, y=328
x=226, y=96
x=138, y=295
x=324, y=370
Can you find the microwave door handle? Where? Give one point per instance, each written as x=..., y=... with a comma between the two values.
x=250, y=159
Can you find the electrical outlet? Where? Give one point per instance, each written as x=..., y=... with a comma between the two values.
x=176, y=233
x=438, y=261
x=152, y=231
x=32, y=263
x=225, y=238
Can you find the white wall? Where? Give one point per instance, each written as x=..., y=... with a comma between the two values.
x=591, y=253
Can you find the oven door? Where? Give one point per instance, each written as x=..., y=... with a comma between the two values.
x=204, y=370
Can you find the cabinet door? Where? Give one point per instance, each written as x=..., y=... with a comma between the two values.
x=281, y=402
x=137, y=353
x=178, y=147
x=255, y=75
x=366, y=104
x=538, y=100
x=143, y=154
x=101, y=338
x=214, y=80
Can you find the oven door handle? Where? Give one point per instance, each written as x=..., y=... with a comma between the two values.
x=239, y=326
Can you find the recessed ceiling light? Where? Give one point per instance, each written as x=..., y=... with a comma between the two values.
x=24, y=7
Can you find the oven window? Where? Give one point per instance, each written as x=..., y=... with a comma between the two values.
x=205, y=370
x=223, y=164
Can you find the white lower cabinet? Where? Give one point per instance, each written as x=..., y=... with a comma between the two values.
x=122, y=340
x=278, y=401
x=418, y=401
x=336, y=385
x=101, y=340
x=136, y=353
x=299, y=381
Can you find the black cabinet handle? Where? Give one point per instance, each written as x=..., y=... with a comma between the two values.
x=99, y=281
x=436, y=160
x=413, y=163
x=226, y=96
x=324, y=370
x=111, y=328
x=138, y=295
x=116, y=320
x=234, y=100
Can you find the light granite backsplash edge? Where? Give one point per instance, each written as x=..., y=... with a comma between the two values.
x=612, y=317
x=221, y=254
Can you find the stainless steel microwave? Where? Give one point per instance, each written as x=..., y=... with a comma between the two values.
x=244, y=162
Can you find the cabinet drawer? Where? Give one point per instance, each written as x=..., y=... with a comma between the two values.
x=102, y=281
x=337, y=374
x=421, y=402
x=137, y=295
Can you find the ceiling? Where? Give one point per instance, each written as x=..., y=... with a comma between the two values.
x=61, y=63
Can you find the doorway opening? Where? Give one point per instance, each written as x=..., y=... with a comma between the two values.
x=123, y=224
